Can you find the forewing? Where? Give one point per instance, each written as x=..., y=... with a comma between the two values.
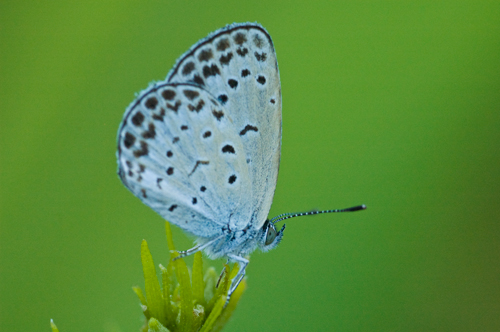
x=179, y=152
x=237, y=64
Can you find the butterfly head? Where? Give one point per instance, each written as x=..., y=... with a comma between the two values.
x=268, y=237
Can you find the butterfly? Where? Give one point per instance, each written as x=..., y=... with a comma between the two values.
x=202, y=148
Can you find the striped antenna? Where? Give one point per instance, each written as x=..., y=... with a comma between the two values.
x=285, y=216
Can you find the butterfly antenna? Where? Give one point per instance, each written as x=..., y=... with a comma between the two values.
x=285, y=216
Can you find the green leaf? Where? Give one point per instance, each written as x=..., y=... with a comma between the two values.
x=186, y=295
x=144, y=303
x=210, y=280
x=197, y=280
x=228, y=311
x=153, y=290
x=199, y=317
x=53, y=326
x=155, y=326
x=168, y=282
x=209, y=323
x=170, y=241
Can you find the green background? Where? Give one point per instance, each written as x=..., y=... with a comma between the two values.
x=394, y=104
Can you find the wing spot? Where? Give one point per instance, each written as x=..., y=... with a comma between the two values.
x=143, y=191
x=129, y=140
x=261, y=80
x=184, y=127
x=172, y=207
x=240, y=38
x=169, y=94
x=205, y=55
x=228, y=149
x=258, y=41
x=248, y=128
x=170, y=171
x=188, y=68
x=232, y=83
x=232, y=179
x=170, y=154
x=225, y=59
x=198, y=80
x=260, y=57
x=242, y=51
x=218, y=114
x=159, y=117
x=222, y=45
x=151, y=103
x=213, y=70
x=199, y=162
x=175, y=107
x=138, y=118
x=143, y=151
x=245, y=73
x=222, y=99
x=273, y=101
x=203, y=188
x=151, y=133
x=207, y=134
x=198, y=107
x=191, y=94
x=195, y=200
x=175, y=140
x=158, y=180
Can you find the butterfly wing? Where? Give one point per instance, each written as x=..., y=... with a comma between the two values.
x=179, y=152
x=238, y=66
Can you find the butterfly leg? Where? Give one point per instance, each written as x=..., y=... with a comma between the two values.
x=243, y=262
x=197, y=248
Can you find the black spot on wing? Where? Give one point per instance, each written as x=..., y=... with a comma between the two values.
x=138, y=118
x=175, y=107
x=242, y=51
x=205, y=55
x=187, y=69
x=198, y=107
x=232, y=83
x=222, y=99
x=150, y=133
x=143, y=151
x=240, y=38
x=222, y=45
x=248, y=128
x=159, y=117
x=169, y=94
x=212, y=70
x=228, y=149
x=225, y=59
x=260, y=56
x=218, y=114
x=191, y=94
x=151, y=103
x=129, y=140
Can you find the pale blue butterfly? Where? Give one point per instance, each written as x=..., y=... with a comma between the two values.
x=202, y=148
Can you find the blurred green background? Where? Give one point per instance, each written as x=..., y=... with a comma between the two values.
x=392, y=104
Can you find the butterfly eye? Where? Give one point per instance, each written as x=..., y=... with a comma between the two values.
x=271, y=235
